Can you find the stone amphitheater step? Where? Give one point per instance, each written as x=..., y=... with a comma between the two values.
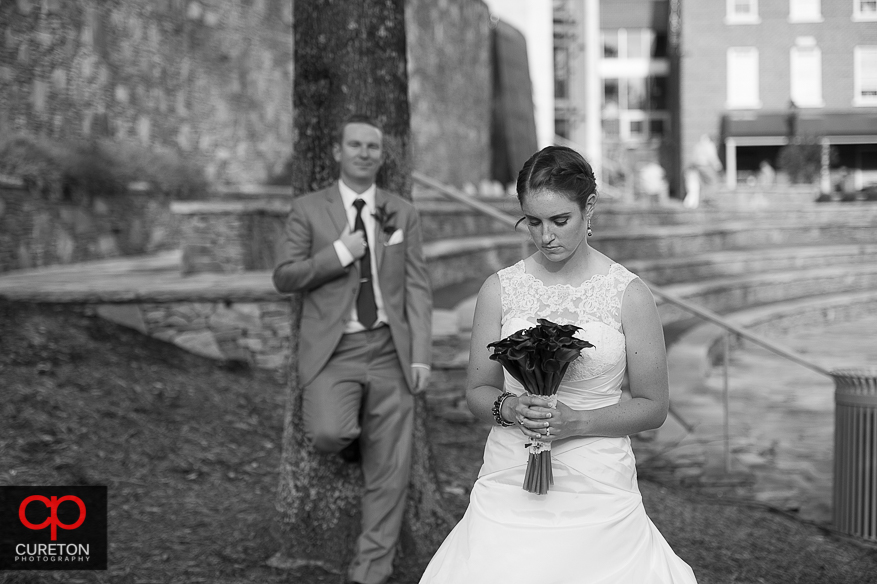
x=443, y=219
x=735, y=293
x=721, y=281
x=460, y=259
x=664, y=271
x=686, y=240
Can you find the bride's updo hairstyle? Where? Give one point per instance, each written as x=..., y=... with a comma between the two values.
x=559, y=169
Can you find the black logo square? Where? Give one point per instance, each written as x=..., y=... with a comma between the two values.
x=53, y=528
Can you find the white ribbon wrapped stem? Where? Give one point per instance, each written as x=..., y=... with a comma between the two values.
x=536, y=446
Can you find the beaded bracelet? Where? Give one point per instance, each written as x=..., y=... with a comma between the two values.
x=497, y=409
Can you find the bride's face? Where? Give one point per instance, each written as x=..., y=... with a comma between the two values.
x=557, y=225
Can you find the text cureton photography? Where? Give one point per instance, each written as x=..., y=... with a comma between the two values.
x=53, y=528
x=52, y=552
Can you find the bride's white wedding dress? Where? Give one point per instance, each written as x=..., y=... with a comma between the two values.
x=591, y=527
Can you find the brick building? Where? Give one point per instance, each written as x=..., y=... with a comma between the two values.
x=752, y=72
x=748, y=74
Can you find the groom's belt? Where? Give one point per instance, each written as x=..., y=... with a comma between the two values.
x=377, y=326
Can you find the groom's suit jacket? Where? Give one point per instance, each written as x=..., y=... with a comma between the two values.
x=308, y=263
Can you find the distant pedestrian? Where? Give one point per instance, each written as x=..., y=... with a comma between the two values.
x=706, y=159
x=653, y=183
x=766, y=175
x=692, y=188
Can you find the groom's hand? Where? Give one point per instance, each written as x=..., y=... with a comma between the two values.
x=421, y=379
x=354, y=241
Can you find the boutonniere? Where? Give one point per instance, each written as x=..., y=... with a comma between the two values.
x=388, y=230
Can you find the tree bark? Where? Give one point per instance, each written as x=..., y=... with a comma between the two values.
x=349, y=57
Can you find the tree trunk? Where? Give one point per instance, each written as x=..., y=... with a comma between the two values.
x=349, y=57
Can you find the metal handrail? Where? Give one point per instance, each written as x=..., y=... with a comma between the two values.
x=471, y=202
x=700, y=311
x=715, y=318
x=462, y=197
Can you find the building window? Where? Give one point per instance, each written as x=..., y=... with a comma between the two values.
x=631, y=43
x=639, y=44
x=561, y=127
x=636, y=93
x=611, y=128
x=742, y=12
x=610, y=44
x=806, y=76
x=611, y=97
x=637, y=130
x=659, y=46
x=864, y=9
x=805, y=10
x=561, y=72
x=742, y=80
x=634, y=108
x=865, y=83
x=658, y=93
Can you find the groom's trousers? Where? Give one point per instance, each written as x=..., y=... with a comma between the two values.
x=362, y=392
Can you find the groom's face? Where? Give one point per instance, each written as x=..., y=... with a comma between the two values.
x=360, y=153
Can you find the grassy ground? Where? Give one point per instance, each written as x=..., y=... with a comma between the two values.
x=189, y=451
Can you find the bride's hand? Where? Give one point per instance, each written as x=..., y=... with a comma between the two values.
x=543, y=423
x=534, y=419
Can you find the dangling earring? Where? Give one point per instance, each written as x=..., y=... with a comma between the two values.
x=590, y=233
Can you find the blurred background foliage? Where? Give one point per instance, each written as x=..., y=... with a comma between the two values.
x=104, y=167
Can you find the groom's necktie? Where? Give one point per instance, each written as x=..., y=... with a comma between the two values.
x=365, y=302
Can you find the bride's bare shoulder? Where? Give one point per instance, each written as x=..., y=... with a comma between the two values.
x=600, y=263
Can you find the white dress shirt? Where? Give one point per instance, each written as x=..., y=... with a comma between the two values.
x=348, y=196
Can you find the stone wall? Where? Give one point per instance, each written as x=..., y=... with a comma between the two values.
x=230, y=237
x=211, y=78
x=35, y=231
x=255, y=333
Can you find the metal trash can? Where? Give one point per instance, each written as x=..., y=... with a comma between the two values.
x=855, y=452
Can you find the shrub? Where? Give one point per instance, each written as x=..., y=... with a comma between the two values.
x=801, y=160
x=98, y=167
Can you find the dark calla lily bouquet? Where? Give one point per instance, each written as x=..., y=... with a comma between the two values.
x=538, y=358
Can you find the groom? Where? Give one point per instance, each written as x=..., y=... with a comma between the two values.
x=353, y=251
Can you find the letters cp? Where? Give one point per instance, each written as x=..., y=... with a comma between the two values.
x=52, y=505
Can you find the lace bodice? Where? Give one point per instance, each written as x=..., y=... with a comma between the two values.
x=594, y=305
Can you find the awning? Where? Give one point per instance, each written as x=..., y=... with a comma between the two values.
x=635, y=14
x=752, y=128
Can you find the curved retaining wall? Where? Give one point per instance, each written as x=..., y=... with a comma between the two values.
x=36, y=231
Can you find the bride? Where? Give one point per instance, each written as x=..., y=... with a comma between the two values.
x=591, y=526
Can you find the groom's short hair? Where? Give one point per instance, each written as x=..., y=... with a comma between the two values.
x=355, y=118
